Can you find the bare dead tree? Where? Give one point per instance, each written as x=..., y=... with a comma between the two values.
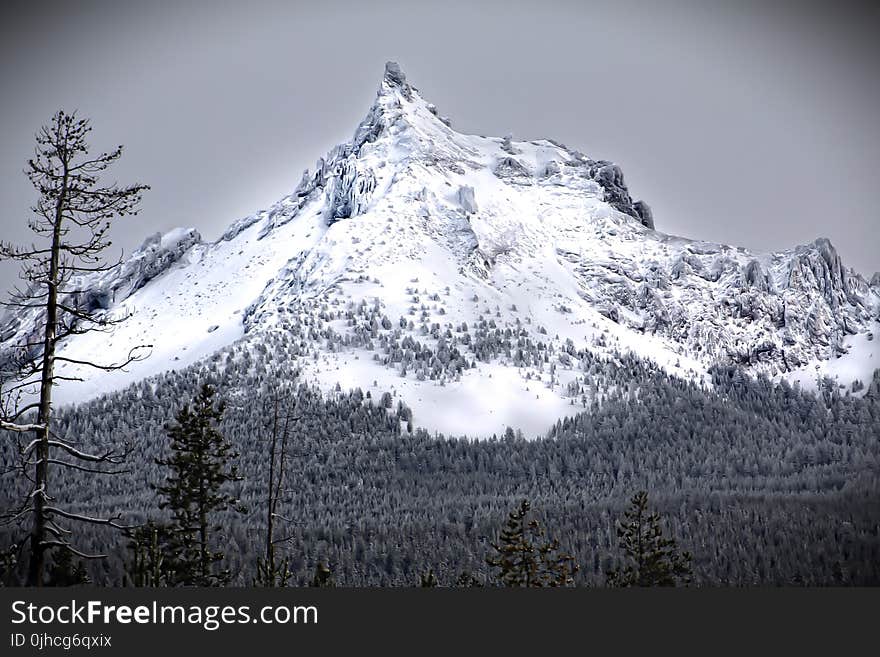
x=71, y=220
x=270, y=571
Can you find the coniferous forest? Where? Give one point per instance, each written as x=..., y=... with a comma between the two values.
x=760, y=483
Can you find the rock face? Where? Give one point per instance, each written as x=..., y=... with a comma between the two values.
x=610, y=176
x=412, y=240
x=395, y=78
x=349, y=190
x=644, y=214
x=109, y=290
x=155, y=256
x=775, y=312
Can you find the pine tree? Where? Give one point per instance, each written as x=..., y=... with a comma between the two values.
x=323, y=577
x=428, y=579
x=64, y=571
x=275, y=573
x=652, y=559
x=148, y=565
x=9, y=575
x=467, y=580
x=525, y=558
x=200, y=468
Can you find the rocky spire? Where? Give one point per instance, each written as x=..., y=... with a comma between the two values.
x=393, y=74
x=394, y=78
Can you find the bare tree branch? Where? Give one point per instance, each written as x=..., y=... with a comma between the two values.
x=20, y=428
x=89, y=519
x=67, y=546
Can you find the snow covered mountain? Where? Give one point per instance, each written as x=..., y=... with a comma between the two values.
x=470, y=276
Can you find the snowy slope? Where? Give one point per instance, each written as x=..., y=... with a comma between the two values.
x=469, y=275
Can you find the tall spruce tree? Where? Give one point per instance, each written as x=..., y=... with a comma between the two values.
x=651, y=559
x=201, y=466
x=523, y=557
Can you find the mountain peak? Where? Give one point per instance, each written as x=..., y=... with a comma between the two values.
x=393, y=74
x=405, y=235
x=394, y=79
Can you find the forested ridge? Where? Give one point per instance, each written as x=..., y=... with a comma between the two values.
x=762, y=483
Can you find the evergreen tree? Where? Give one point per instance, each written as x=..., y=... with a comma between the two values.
x=148, y=566
x=200, y=468
x=273, y=573
x=525, y=558
x=64, y=571
x=467, y=580
x=652, y=559
x=428, y=579
x=323, y=577
x=9, y=567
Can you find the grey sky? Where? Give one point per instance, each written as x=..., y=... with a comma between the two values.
x=737, y=123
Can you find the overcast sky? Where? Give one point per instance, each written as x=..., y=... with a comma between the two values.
x=735, y=122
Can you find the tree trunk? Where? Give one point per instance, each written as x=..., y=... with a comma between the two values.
x=270, y=506
x=203, y=532
x=36, y=566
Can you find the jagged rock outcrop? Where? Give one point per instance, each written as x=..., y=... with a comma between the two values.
x=156, y=255
x=644, y=214
x=510, y=168
x=396, y=78
x=610, y=176
x=349, y=191
x=104, y=291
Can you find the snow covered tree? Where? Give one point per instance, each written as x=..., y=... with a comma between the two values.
x=71, y=219
x=652, y=559
x=523, y=557
x=200, y=465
